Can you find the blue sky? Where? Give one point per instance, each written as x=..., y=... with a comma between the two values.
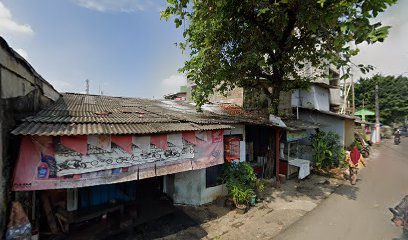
x=121, y=46
x=124, y=48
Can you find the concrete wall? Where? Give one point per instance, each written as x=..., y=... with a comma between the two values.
x=190, y=187
x=328, y=122
x=23, y=92
x=335, y=98
x=348, y=132
x=235, y=96
x=315, y=97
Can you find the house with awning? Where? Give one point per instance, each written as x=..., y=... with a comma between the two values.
x=100, y=152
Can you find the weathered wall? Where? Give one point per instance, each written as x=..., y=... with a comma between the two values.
x=23, y=93
x=328, y=122
x=235, y=96
x=190, y=187
x=348, y=132
x=315, y=97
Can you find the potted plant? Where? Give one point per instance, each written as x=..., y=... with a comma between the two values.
x=241, y=195
x=240, y=180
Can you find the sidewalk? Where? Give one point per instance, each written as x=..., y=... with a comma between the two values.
x=263, y=221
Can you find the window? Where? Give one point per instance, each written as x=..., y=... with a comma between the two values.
x=212, y=175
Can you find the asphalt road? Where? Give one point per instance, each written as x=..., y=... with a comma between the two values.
x=360, y=211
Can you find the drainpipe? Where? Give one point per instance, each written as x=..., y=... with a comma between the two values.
x=277, y=157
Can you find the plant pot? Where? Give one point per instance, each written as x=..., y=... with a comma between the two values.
x=241, y=208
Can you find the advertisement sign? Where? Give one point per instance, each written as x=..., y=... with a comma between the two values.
x=39, y=167
x=295, y=135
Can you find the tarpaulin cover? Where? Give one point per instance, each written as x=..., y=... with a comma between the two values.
x=175, y=139
x=142, y=142
x=190, y=137
x=123, y=141
x=165, y=168
x=76, y=143
x=100, y=141
x=37, y=169
x=159, y=141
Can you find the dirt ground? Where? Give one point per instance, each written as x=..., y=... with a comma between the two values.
x=266, y=219
x=279, y=209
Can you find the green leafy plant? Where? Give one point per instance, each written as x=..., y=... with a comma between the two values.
x=327, y=150
x=260, y=185
x=241, y=194
x=240, y=180
x=269, y=46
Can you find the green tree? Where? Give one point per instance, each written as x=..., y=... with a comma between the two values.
x=270, y=45
x=393, y=97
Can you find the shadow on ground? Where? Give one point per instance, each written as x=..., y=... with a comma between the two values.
x=163, y=228
x=316, y=187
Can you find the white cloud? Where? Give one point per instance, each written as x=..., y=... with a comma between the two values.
x=171, y=84
x=391, y=56
x=22, y=53
x=116, y=5
x=9, y=25
x=174, y=81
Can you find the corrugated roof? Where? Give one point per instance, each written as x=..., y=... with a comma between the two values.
x=330, y=113
x=46, y=129
x=296, y=125
x=81, y=114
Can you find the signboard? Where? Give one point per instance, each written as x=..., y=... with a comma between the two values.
x=295, y=135
x=40, y=167
x=69, y=162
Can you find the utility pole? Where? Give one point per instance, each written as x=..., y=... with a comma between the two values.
x=377, y=116
x=87, y=86
x=353, y=110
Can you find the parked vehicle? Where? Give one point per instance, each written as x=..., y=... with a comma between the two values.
x=365, y=146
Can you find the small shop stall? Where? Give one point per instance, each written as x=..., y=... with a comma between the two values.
x=292, y=162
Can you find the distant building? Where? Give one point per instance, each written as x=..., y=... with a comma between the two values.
x=181, y=95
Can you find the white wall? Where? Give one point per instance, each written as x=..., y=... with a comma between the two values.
x=328, y=122
x=335, y=97
x=315, y=98
x=190, y=188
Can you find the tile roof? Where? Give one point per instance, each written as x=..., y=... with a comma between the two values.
x=80, y=114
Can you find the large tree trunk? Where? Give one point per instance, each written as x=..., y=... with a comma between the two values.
x=275, y=99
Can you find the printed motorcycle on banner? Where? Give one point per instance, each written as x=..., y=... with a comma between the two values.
x=46, y=162
x=69, y=162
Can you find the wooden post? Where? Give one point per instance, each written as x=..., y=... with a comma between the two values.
x=277, y=157
x=48, y=212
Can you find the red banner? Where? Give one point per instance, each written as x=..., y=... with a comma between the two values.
x=37, y=168
x=76, y=143
x=125, y=142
